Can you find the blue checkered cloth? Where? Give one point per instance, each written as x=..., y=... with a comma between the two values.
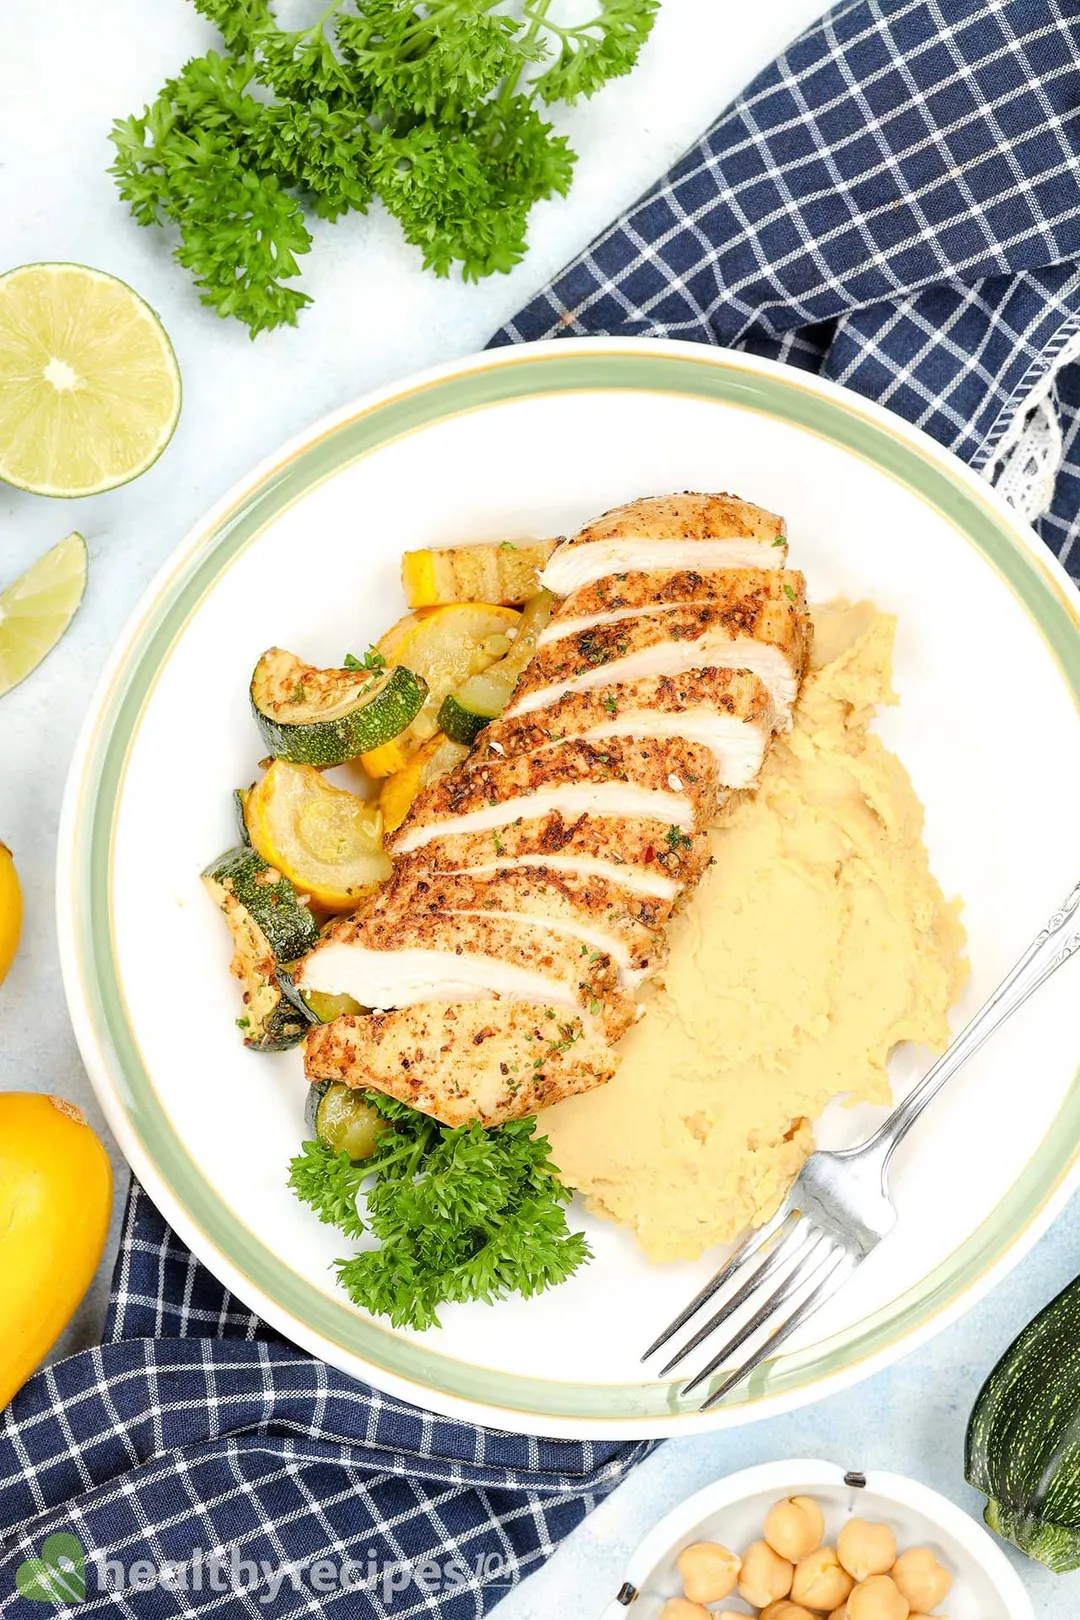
x=196, y=1463
x=895, y=204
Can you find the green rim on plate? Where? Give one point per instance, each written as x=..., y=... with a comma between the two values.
x=777, y=392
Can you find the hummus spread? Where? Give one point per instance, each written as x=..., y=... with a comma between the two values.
x=815, y=942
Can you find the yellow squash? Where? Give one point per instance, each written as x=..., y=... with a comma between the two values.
x=445, y=645
x=434, y=759
x=55, y=1199
x=327, y=842
x=506, y=571
x=10, y=911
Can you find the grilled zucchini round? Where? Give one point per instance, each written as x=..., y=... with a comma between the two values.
x=341, y=1120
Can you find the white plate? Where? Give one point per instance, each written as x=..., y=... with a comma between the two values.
x=732, y=1512
x=305, y=553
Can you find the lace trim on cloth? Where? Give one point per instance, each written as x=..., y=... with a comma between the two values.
x=1028, y=456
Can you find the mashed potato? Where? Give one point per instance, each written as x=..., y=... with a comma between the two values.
x=816, y=941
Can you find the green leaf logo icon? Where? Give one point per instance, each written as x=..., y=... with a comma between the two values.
x=57, y=1575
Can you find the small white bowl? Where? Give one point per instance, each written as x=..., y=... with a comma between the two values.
x=732, y=1512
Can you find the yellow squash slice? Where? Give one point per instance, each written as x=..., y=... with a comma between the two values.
x=444, y=647
x=327, y=842
x=434, y=759
x=507, y=571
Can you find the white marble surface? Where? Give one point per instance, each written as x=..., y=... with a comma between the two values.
x=66, y=70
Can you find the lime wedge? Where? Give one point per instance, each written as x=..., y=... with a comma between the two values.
x=89, y=386
x=37, y=609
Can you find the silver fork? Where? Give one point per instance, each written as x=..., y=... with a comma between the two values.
x=839, y=1207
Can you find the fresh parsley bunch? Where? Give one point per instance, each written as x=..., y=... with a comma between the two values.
x=434, y=105
x=458, y=1214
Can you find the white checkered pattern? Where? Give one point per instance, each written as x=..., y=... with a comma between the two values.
x=195, y=1428
x=894, y=203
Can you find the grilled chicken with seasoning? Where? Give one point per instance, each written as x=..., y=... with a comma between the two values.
x=533, y=882
x=384, y=960
x=490, y=1060
x=672, y=781
x=605, y=919
x=646, y=857
x=726, y=710
x=760, y=623
x=669, y=531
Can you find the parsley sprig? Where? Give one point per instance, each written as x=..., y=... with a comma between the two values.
x=434, y=105
x=457, y=1214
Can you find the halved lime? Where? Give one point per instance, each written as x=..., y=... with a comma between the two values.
x=89, y=385
x=37, y=609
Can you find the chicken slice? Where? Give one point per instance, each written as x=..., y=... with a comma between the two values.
x=603, y=917
x=758, y=628
x=386, y=960
x=726, y=710
x=489, y=1060
x=626, y=596
x=643, y=856
x=694, y=531
x=670, y=781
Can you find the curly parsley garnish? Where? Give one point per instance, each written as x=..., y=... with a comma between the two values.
x=435, y=107
x=458, y=1214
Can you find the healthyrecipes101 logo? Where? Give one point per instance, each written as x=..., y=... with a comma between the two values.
x=62, y=1571
x=57, y=1574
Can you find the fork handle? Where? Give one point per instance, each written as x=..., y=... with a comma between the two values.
x=1052, y=946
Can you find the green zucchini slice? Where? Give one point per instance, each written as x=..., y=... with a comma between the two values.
x=464, y=714
x=240, y=799
x=340, y=1118
x=318, y=1006
x=269, y=925
x=324, y=1007
x=323, y=717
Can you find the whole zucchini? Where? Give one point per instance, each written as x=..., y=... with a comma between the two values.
x=1023, y=1440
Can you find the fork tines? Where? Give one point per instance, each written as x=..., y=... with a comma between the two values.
x=817, y=1265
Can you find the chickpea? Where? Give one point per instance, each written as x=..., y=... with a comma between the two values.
x=840, y=1613
x=764, y=1576
x=921, y=1578
x=708, y=1571
x=866, y=1549
x=878, y=1598
x=820, y=1580
x=683, y=1609
x=784, y=1609
x=795, y=1527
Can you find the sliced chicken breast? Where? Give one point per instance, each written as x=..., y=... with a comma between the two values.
x=728, y=711
x=670, y=781
x=605, y=918
x=695, y=531
x=397, y=960
x=644, y=856
x=754, y=628
x=488, y=1060
x=626, y=596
